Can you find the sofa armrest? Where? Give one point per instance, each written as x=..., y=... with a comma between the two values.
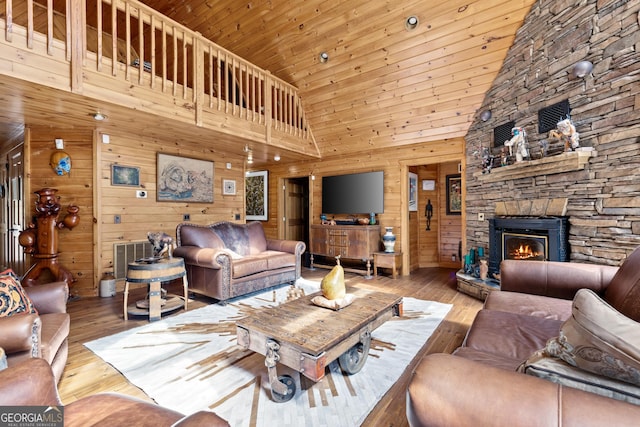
x=202, y=257
x=447, y=390
x=21, y=332
x=29, y=383
x=49, y=298
x=291, y=246
x=554, y=279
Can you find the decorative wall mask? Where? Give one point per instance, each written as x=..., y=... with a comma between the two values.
x=60, y=162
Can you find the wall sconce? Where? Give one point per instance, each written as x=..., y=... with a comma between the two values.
x=59, y=143
x=411, y=23
x=485, y=115
x=324, y=57
x=276, y=157
x=98, y=116
x=250, y=158
x=581, y=69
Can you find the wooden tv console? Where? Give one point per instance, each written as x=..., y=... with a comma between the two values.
x=348, y=241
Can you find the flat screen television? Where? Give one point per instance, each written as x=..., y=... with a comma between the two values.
x=356, y=193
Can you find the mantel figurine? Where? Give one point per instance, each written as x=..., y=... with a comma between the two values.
x=566, y=132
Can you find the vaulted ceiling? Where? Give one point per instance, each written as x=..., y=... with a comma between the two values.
x=383, y=85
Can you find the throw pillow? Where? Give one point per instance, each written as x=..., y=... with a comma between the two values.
x=13, y=298
x=599, y=339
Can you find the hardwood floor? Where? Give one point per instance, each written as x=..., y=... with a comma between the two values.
x=95, y=317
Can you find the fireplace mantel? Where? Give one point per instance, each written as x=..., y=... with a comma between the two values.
x=564, y=162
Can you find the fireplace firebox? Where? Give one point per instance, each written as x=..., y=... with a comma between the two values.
x=528, y=239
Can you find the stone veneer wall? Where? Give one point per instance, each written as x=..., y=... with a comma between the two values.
x=603, y=195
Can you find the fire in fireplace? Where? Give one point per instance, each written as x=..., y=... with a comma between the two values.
x=527, y=239
x=524, y=246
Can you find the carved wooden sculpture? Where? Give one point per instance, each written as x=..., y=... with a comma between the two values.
x=41, y=239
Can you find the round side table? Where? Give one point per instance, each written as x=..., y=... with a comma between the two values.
x=153, y=272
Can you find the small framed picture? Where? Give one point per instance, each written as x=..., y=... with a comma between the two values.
x=454, y=195
x=228, y=187
x=125, y=175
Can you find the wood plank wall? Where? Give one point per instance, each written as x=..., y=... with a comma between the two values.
x=75, y=246
x=99, y=205
x=435, y=159
x=138, y=216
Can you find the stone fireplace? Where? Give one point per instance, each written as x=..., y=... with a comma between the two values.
x=527, y=239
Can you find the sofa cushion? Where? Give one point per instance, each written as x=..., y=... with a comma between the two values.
x=599, y=339
x=559, y=372
x=510, y=335
x=257, y=239
x=202, y=237
x=528, y=304
x=277, y=259
x=623, y=292
x=492, y=359
x=13, y=298
x=234, y=236
x=249, y=265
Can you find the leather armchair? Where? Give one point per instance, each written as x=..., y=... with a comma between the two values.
x=32, y=383
x=43, y=335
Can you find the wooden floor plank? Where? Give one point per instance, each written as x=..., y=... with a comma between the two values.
x=95, y=317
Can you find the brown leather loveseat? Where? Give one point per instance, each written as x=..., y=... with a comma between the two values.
x=43, y=334
x=225, y=260
x=552, y=329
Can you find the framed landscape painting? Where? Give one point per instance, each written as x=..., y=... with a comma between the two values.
x=256, y=194
x=183, y=179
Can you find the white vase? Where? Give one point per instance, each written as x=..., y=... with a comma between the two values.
x=389, y=240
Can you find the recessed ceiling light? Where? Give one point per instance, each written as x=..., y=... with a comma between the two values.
x=324, y=57
x=411, y=22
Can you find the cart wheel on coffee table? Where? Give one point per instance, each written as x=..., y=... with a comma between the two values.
x=291, y=389
x=352, y=360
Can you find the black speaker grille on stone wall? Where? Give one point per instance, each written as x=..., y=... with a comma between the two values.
x=549, y=117
x=502, y=133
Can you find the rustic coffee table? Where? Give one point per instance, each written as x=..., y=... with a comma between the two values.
x=307, y=338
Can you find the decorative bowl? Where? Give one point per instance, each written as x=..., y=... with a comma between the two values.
x=363, y=221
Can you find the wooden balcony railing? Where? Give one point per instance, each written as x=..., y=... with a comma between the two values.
x=126, y=40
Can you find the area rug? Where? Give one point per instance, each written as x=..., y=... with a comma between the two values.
x=191, y=362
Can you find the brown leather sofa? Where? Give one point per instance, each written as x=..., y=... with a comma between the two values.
x=226, y=260
x=31, y=383
x=512, y=333
x=44, y=335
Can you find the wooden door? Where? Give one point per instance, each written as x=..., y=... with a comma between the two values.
x=296, y=209
x=13, y=214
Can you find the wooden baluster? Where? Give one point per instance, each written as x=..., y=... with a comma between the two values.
x=99, y=31
x=30, y=24
x=164, y=56
x=115, y=57
x=127, y=17
x=175, y=60
x=8, y=34
x=50, y=27
x=140, y=47
x=153, y=51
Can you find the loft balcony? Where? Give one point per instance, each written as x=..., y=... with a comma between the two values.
x=95, y=48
